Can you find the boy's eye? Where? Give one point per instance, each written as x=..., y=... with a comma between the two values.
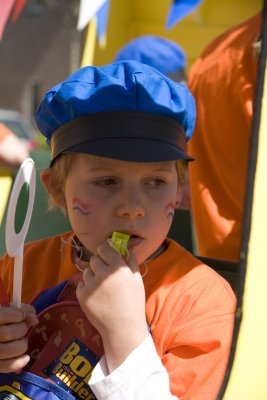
x=156, y=182
x=105, y=182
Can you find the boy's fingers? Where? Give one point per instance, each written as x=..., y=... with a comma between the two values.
x=95, y=265
x=9, y=315
x=15, y=364
x=31, y=320
x=87, y=276
x=11, y=332
x=13, y=349
x=28, y=309
x=110, y=255
x=30, y=315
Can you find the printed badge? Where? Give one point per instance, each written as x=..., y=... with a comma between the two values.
x=72, y=369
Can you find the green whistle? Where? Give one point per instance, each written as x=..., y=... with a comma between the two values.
x=120, y=241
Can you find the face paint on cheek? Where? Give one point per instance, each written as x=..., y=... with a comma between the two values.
x=169, y=209
x=82, y=208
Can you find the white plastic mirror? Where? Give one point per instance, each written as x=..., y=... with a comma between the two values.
x=15, y=240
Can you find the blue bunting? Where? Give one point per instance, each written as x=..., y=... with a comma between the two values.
x=102, y=20
x=179, y=9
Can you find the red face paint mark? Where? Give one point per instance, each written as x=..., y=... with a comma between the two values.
x=169, y=209
x=78, y=205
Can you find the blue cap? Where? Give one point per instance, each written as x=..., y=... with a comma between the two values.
x=126, y=110
x=160, y=53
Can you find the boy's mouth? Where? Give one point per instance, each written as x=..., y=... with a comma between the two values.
x=135, y=239
x=132, y=235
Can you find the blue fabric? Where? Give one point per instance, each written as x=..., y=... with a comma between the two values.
x=48, y=297
x=180, y=9
x=125, y=85
x=160, y=53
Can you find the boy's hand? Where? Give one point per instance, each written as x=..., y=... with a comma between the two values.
x=14, y=324
x=113, y=298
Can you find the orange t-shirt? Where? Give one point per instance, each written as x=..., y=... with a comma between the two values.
x=189, y=307
x=223, y=83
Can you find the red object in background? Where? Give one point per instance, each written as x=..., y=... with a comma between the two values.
x=17, y=9
x=32, y=145
x=6, y=7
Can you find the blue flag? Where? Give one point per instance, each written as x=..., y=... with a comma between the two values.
x=179, y=9
x=102, y=20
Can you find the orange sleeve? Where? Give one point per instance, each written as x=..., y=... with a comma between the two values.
x=223, y=84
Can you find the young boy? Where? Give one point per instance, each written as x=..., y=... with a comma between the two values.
x=118, y=136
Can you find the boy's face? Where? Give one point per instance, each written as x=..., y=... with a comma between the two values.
x=105, y=195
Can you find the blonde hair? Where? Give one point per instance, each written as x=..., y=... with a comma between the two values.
x=60, y=170
x=182, y=172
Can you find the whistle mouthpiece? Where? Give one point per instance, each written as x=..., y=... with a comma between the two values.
x=120, y=242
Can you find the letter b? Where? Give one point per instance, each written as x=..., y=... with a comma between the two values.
x=70, y=353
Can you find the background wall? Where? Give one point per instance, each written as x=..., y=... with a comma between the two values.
x=37, y=51
x=133, y=18
x=43, y=46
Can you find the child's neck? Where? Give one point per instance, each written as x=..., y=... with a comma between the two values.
x=81, y=256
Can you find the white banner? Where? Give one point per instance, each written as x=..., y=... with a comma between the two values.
x=88, y=9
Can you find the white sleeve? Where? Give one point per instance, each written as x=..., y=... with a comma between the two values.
x=141, y=376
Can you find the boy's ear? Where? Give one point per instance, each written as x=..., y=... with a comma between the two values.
x=46, y=178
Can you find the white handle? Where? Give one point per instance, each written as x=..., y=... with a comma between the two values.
x=17, y=279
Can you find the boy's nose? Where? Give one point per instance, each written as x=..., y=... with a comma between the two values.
x=131, y=213
x=131, y=208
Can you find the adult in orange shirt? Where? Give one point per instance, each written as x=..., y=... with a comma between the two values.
x=223, y=83
x=12, y=151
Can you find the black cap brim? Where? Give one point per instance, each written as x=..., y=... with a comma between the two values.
x=124, y=135
x=132, y=149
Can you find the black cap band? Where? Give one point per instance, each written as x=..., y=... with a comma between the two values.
x=116, y=125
